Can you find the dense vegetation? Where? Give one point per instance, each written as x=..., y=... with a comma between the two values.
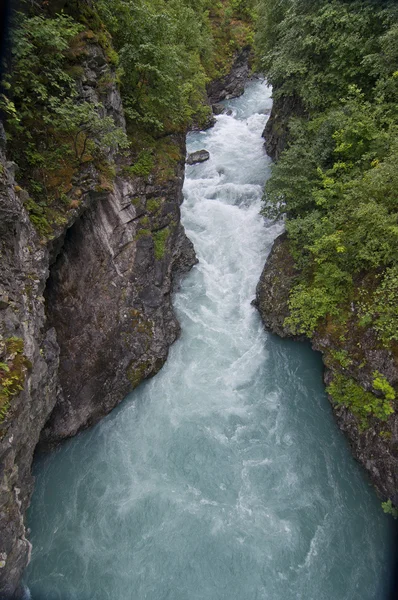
x=168, y=50
x=162, y=53
x=336, y=63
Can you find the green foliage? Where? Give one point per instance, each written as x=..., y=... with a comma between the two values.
x=344, y=390
x=381, y=384
x=390, y=509
x=160, y=239
x=336, y=182
x=341, y=356
x=167, y=50
x=160, y=46
x=51, y=130
x=380, y=309
x=153, y=205
x=12, y=373
x=314, y=50
x=143, y=166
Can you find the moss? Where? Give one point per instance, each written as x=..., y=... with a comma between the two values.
x=136, y=373
x=167, y=157
x=142, y=233
x=135, y=202
x=75, y=71
x=143, y=166
x=154, y=204
x=144, y=221
x=107, y=169
x=96, y=30
x=140, y=324
x=159, y=239
x=12, y=373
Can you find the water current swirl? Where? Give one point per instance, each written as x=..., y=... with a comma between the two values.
x=225, y=476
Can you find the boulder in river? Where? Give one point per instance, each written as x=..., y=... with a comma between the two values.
x=198, y=157
x=218, y=108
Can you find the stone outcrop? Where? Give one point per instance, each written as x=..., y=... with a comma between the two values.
x=272, y=293
x=108, y=298
x=231, y=85
x=276, y=130
x=376, y=451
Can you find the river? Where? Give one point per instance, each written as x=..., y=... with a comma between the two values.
x=225, y=476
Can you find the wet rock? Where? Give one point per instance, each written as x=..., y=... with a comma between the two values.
x=218, y=108
x=231, y=85
x=272, y=293
x=23, y=273
x=4, y=300
x=276, y=130
x=198, y=157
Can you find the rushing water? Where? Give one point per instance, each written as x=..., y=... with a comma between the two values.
x=224, y=477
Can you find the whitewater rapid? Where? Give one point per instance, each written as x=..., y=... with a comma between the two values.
x=225, y=476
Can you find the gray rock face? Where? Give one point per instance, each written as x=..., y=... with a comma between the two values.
x=272, y=292
x=231, y=85
x=23, y=274
x=90, y=313
x=198, y=157
x=376, y=452
x=108, y=298
x=276, y=130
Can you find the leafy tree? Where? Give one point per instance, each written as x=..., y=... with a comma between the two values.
x=50, y=128
x=336, y=182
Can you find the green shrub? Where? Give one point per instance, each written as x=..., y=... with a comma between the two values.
x=389, y=509
x=143, y=166
x=363, y=405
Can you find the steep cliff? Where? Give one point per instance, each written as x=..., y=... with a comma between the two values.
x=29, y=356
x=85, y=311
x=233, y=83
x=276, y=131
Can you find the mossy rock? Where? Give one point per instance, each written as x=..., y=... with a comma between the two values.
x=13, y=369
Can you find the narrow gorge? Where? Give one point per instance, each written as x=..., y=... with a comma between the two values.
x=224, y=476
x=156, y=440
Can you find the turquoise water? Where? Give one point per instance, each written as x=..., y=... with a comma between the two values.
x=225, y=476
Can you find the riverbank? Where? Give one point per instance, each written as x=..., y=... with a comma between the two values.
x=332, y=279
